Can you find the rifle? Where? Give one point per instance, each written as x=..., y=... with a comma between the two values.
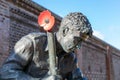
x=46, y=21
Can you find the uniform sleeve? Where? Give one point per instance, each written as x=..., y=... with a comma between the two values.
x=13, y=68
x=76, y=73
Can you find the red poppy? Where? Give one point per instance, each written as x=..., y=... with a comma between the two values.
x=46, y=20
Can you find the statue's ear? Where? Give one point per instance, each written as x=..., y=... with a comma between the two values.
x=65, y=31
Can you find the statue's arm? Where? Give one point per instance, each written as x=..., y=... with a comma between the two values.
x=76, y=73
x=13, y=68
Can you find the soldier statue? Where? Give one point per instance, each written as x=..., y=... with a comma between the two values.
x=29, y=59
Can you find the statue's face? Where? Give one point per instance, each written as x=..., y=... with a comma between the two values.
x=72, y=39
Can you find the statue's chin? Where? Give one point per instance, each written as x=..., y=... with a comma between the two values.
x=67, y=46
x=69, y=49
x=66, y=50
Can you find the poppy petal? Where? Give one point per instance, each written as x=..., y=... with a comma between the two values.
x=46, y=20
x=43, y=15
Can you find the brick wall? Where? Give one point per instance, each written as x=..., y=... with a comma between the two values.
x=21, y=23
x=94, y=62
x=99, y=60
x=19, y=17
x=4, y=30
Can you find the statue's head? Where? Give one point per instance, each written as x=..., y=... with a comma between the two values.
x=74, y=29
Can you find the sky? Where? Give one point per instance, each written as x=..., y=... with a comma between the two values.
x=104, y=15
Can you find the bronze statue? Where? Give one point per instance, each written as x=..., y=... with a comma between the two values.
x=29, y=59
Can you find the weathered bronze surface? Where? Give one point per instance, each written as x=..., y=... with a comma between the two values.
x=29, y=59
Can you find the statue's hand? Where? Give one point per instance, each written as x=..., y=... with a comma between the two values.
x=77, y=75
x=53, y=77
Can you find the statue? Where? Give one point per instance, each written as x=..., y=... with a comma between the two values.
x=29, y=59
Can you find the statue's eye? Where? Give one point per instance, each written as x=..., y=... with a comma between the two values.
x=78, y=28
x=65, y=31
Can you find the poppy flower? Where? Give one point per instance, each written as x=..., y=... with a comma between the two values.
x=46, y=20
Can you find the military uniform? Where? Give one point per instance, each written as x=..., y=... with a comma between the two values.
x=29, y=60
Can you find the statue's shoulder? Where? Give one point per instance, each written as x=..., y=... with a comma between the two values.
x=36, y=35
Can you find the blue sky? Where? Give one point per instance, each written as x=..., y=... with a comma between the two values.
x=104, y=15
